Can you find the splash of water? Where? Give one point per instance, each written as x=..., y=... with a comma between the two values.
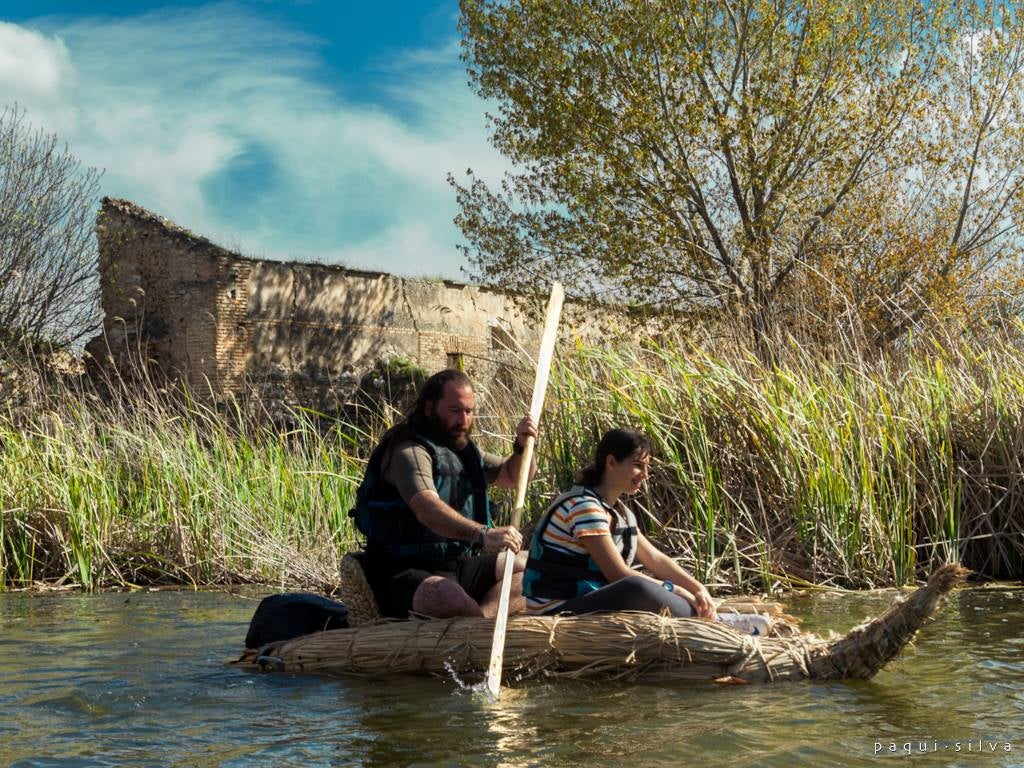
x=463, y=688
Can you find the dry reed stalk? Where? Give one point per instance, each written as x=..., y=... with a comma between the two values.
x=627, y=645
x=867, y=648
x=354, y=591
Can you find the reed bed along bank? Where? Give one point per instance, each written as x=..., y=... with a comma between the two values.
x=163, y=492
x=813, y=470
x=816, y=470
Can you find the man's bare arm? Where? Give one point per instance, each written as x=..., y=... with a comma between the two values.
x=446, y=522
x=508, y=476
x=442, y=519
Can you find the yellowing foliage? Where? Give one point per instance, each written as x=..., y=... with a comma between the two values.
x=779, y=161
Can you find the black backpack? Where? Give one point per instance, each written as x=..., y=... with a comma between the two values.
x=282, y=617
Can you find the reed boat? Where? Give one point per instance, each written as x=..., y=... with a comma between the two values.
x=624, y=646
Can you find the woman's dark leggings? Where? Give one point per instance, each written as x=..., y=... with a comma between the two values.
x=634, y=593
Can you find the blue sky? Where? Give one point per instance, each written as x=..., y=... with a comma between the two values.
x=314, y=130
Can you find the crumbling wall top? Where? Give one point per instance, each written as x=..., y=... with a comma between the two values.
x=128, y=209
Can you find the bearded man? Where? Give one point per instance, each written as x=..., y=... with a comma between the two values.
x=423, y=506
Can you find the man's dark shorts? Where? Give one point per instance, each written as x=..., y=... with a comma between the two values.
x=394, y=584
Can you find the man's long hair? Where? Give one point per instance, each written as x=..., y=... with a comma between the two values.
x=416, y=418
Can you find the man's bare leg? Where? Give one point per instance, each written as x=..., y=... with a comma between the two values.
x=443, y=598
x=516, y=601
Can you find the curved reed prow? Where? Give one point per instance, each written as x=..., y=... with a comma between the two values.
x=866, y=649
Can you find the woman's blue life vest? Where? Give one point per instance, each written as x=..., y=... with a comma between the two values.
x=553, y=574
x=391, y=527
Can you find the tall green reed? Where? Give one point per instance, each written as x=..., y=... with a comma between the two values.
x=160, y=492
x=852, y=471
x=816, y=469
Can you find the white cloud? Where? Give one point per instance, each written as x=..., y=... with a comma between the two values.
x=169, y=103
x=29, y=61
x=410, y=249
x=35, y=70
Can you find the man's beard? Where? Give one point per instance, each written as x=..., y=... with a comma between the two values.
x=458, y=439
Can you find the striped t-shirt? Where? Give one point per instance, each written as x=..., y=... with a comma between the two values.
x=574, y=518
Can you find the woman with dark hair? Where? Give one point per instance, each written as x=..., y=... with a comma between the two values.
x=583, y=549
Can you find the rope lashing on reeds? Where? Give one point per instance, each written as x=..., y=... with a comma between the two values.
x=622, y=646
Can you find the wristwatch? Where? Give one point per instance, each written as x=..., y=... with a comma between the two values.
x=480, y=538
x=517, y=449
x=668, y=585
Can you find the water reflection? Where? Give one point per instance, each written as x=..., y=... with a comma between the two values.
x=508, y=724
x=139, y=680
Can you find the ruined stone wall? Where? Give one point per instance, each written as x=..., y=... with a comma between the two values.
x=301, y=333
x=158, y=291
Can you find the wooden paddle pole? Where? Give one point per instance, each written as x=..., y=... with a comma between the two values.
x=540, y=385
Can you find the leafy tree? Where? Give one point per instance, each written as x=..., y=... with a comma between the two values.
x=48, y=260
x=772, y=159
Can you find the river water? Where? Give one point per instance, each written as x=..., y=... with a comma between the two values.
x=139, y=680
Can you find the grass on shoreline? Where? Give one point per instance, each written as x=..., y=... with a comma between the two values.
x=847, y=472
x=164, y=494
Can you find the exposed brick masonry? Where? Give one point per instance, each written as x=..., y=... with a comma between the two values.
x=301, y=333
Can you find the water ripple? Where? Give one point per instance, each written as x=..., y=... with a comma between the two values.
x=108, y=680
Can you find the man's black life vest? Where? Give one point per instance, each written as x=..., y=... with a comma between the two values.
x=391, y=527
x=556, y=575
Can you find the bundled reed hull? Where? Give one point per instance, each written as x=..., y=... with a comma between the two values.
x=630, y=646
